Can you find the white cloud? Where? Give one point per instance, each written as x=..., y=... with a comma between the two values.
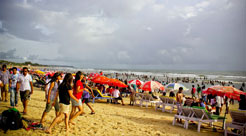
x=123, y=55
x=148, y=28
x=158, y=7
x=96, y=25
x=203, y=4
x=44, y=30
x=164, y=52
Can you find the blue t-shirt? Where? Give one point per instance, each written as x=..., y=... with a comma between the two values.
x=14, y=78
x=86, y=94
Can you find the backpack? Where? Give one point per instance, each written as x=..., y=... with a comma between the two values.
x=11, y=119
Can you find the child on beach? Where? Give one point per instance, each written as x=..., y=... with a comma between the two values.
x=86, y=96
x=52, y=96
x=65, y=92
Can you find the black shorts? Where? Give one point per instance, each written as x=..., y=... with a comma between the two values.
x=85, y=100
x=25, y=95
x=119, y=98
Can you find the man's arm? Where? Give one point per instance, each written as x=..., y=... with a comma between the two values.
x=31, y=87
x=17, y=86
x=10, y=80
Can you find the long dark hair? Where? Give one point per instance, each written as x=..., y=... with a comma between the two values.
x=68, y=79
x=54, y=78
x=77, y=77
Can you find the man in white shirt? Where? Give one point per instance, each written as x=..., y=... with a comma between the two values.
x=116, y=94
x=24, y=85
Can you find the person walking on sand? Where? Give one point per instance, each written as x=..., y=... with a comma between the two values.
x=13, y=91
x=25, y=86
x=52, y=96
x=77, y=92
x=86, y=96
x=5, y=77
x=65, y=92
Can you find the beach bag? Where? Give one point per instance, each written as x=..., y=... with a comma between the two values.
x=11, y=120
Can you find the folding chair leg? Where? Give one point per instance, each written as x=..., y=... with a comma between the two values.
x=156, y=105
x=199, y=126
x=186, y=124
x=174, y=120
x=225, y=131
x=163, y=108
x=171, y=109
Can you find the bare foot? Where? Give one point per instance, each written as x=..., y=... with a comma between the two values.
x=68, y=130
x=72, y=123
x=47, y=130
x=82, y=114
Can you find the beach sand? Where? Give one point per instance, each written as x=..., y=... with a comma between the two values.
x=109, y=120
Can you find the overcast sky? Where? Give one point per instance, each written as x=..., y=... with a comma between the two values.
x=162, y=34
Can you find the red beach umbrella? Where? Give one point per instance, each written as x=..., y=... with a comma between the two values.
x=152, y=85
x=116, y=82
x=101, y=80
x=227, y=91
x=136, y=82
x=93, y=75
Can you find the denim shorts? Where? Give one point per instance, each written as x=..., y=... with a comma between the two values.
x=75, y=103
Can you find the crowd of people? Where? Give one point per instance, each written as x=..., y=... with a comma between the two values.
x=60, y=90
x=63, y=88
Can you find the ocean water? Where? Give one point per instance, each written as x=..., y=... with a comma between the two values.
x=233, y=76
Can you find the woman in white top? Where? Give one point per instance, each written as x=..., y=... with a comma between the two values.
x=52, y=96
